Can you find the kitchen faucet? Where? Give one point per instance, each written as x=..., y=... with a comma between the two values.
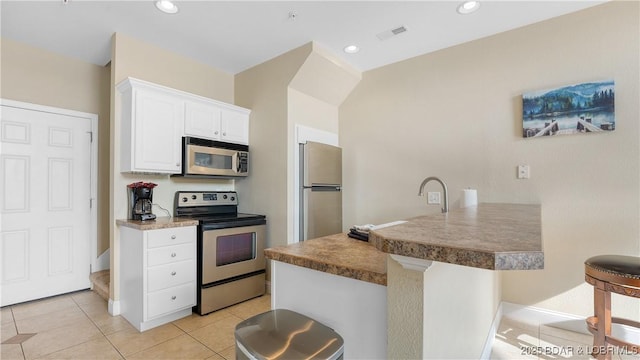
x=445, y=208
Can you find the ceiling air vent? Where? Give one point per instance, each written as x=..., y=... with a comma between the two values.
x=391, y=33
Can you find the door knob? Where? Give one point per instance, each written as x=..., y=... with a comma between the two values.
x=173, y=273
x=173, y=254
x=173, y=297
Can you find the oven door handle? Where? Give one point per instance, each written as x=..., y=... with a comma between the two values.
x=235, y=223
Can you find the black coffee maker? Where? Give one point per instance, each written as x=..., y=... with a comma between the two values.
x=140, y=200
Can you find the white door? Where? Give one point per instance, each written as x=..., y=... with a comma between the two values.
x=45, y=170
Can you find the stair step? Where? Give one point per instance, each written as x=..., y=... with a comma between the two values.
x=100, y=281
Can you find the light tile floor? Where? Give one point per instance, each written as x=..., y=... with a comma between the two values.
x=78, y=326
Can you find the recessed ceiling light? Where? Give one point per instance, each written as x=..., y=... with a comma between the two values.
x=468, y=7
x=351, y=49
x=166, y=6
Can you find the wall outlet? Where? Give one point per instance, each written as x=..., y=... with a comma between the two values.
x=433, y=197
x=523, y=172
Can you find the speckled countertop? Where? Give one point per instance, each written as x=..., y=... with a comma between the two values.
x=158, y=223
x=487, y=236
x=336, y=254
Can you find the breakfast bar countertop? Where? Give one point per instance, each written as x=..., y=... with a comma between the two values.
x=335, y=254
x=486, y=236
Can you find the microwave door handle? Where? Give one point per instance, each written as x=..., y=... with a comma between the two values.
x=236, y=162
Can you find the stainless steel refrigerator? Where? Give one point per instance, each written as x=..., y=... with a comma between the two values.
x=320, y=190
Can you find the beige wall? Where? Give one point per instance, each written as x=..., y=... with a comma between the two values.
x=309, y=111
x=456, y=114
x=304, y=86
x=264, y=90
x=41, y=77
x=133, y=58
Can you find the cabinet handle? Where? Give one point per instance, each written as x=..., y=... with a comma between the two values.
x=173, y=237
x=216, y=133
x=224, y=134
x=173, y=254
x=173, y=273
x=173, y=297
x=177, y=164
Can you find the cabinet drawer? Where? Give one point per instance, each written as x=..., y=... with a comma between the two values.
x=171, y=254
x=166, y=276
x=170, y=300
x=171, y=236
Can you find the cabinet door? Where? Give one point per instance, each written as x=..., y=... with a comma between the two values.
x=158, y=123
x=202, y=120
x=235, y=126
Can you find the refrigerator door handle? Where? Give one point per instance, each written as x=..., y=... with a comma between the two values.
x=324, y=188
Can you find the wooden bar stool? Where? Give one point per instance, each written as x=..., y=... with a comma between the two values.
x=611, y=273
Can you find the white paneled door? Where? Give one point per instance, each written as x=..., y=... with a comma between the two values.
x=45, y=169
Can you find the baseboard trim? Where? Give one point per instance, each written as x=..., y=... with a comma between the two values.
x=491, y=336
x=114, y=307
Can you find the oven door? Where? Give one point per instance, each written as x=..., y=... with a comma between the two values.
x=205, y=160
x=231, y=252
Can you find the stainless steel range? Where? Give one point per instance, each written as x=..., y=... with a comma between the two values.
x=231, y=263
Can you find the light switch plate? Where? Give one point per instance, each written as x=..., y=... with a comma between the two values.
x=433, y=197
x=524, y=172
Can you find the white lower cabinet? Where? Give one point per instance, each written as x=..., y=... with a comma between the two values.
x=157, y=275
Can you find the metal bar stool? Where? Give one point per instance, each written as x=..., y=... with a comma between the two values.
x=611, y=273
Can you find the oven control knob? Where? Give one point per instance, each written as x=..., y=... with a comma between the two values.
x=184, y=199
x=224, y=197
x=193, y=197
x=233, y=198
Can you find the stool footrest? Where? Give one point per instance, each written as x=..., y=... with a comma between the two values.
x=629, y=348
x=592, y=322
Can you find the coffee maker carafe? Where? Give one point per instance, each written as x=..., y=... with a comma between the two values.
x=140, y=201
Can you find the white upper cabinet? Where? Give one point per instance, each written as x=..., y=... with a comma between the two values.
x=234, y=126
x=202, y=120
x=151, y=129
x=217, y=121
x=154, y=118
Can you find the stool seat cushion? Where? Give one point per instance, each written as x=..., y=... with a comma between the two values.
x=618, y=265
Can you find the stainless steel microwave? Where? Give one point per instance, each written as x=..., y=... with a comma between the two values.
x=202, y=157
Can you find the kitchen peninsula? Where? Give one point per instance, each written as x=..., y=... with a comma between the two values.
x=424, y=314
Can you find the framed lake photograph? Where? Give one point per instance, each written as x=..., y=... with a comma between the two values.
x=573, y=109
